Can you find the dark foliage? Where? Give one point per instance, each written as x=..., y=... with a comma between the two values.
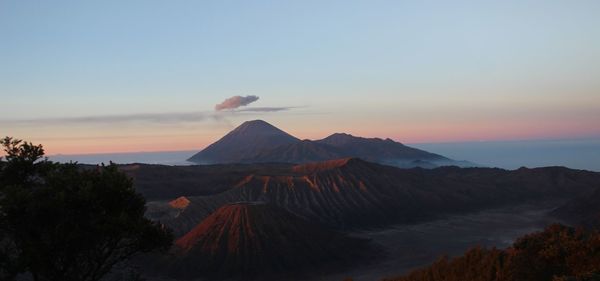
x=61, y=222
x=559, y=253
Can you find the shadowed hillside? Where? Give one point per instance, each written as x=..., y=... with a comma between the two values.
x=583, y=210
x=163, y=182
x=255, y=240
x=352, y=193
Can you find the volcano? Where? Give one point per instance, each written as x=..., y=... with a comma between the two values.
x=260, y=142
x=382, y=151
x=243, y=142
x=248, y=239
x=351, y=193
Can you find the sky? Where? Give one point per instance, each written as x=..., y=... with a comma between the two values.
x=125, y=76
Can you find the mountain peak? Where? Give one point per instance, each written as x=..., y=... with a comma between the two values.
x=248, y=238
x=341, y=135
x=346, y=139
x=256, y=127
x=243, y=142
x=256, y=121
x=234, y=214
x=255, y=124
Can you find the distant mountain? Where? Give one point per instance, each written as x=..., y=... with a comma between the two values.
x=243, y=142
x=253, y=239
x=381, y=151
x=353, y=193
x=259, y=142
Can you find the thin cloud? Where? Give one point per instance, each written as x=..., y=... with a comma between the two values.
x=125, y=118
x=266, y=109
x=235, y=102
x=149, y=118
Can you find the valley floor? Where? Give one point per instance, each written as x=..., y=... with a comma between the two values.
x=413, y=246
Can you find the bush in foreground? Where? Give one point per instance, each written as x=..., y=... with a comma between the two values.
x=558, y=253
x=64, y=222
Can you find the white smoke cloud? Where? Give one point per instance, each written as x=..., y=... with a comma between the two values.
x=235, y=102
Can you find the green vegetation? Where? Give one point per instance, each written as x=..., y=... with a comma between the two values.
x=65, y=222
x=558, y=253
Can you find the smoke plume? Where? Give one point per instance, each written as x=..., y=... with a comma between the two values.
x=235, y=102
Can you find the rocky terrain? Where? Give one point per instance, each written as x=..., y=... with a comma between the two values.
x=279, y=207
x=352, y=193
x=254, y=240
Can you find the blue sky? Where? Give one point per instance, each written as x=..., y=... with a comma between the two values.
x=416, y=71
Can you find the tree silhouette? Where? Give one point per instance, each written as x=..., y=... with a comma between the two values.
x=67, y=221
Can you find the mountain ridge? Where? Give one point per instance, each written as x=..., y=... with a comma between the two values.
x=257, y=141
x=352, y=193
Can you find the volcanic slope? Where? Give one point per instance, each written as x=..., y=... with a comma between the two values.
x=251, y=239
x=352, y=193
x=243, y=142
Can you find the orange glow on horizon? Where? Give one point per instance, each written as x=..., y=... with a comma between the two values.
x=408, y=134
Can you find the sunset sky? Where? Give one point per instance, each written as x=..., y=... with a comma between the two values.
x=114, y=76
